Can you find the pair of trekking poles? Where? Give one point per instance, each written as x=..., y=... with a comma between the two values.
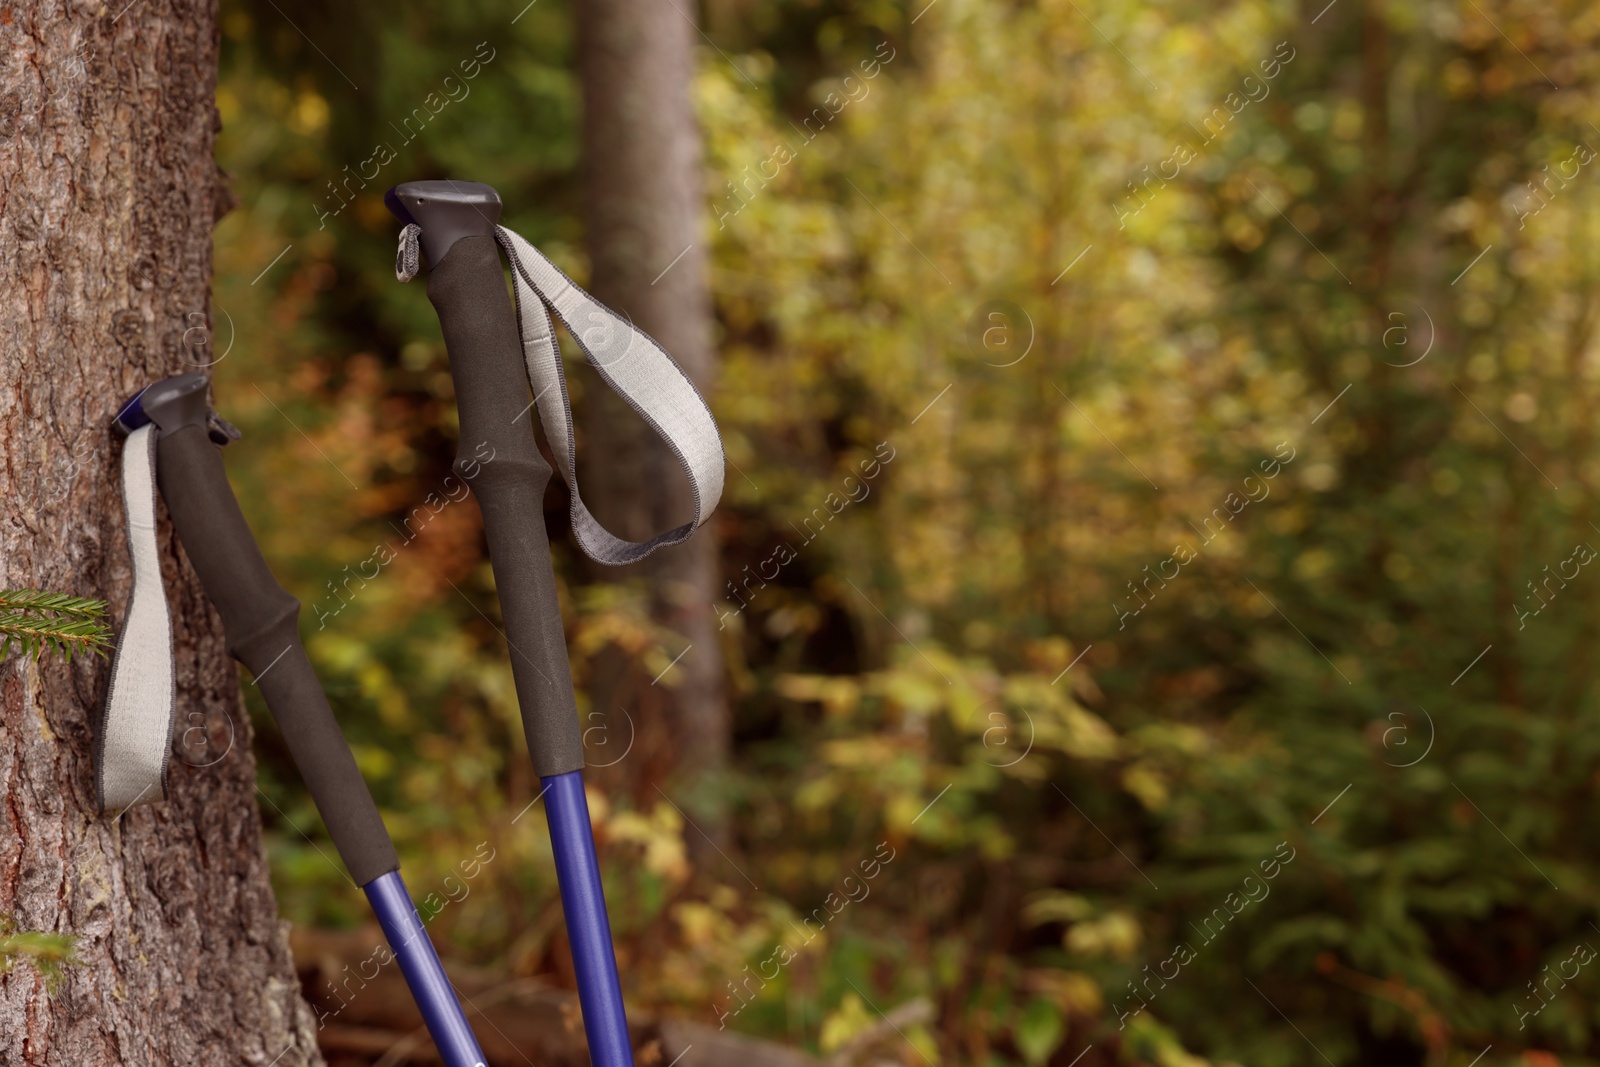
x=497, y=349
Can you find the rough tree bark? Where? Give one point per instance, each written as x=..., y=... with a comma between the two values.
x=641, y=151
x=108, y=194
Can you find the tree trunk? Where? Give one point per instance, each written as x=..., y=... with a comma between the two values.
x=108, y=194
x=641, y=151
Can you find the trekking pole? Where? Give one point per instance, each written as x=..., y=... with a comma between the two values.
x=173, y=434
x=497, y=351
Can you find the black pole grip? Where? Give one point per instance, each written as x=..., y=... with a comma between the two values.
x=468, y=290
x=262, y=624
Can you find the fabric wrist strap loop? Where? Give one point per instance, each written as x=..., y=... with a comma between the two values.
x=136, y=730
x=637, y=368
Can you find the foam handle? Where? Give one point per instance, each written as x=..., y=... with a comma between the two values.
x=468, y=289
x=262, y=624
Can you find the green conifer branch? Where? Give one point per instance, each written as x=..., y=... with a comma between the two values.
x=48, y=952
x=34, y=622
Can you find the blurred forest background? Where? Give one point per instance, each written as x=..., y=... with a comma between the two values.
x=1171, y=427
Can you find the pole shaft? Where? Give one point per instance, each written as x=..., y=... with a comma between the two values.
x=605, y=1019
x=430, y=986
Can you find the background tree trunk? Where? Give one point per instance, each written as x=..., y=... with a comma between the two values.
x=641, y=152
x=108, y=193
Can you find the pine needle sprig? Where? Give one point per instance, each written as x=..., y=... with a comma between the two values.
x=34, y=622
x=49, y=953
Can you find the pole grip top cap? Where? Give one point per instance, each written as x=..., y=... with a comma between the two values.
x=173, y=403
x=447, y=211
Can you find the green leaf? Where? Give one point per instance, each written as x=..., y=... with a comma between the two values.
x=1039, y=1030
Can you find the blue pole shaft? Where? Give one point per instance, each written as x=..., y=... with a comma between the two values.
x=605, y=1020
x=430, y=987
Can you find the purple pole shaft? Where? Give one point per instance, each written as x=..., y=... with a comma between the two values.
x=605, y=1020
x=430, y=986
